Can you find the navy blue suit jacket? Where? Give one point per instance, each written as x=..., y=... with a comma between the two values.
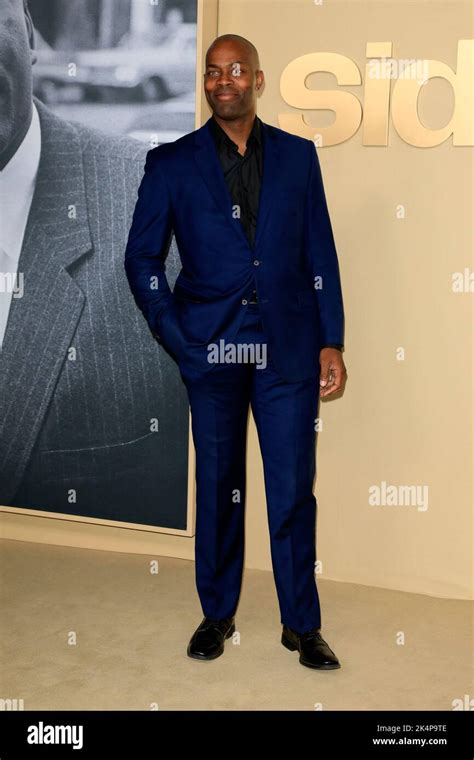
x=293, y=265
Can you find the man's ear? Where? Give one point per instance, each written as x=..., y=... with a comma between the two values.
x=31, y=36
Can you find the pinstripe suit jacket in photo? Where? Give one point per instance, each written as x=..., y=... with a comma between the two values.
x=93, y=412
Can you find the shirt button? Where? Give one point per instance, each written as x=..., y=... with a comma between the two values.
x=256, y=262
x=244, y=301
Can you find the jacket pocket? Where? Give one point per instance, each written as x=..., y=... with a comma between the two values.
x=96, y=462
x=183, y=295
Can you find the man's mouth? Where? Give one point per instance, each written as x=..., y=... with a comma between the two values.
x=226, y=95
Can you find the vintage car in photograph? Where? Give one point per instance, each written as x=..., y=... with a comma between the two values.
x=143, y=73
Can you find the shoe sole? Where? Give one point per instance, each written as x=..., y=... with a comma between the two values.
x=213, y=656
x=293, y=648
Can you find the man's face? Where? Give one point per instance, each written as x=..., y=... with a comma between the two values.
x=230, y=80
x=15, y=71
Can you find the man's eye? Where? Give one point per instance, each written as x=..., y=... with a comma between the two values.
x=211, y=73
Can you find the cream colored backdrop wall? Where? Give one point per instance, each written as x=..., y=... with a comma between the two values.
x=404, y=422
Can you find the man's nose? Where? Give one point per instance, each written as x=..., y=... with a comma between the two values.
x=224, y=79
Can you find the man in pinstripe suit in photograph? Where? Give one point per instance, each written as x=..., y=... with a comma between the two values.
x=93, y=414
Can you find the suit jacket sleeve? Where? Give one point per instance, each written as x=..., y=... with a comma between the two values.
x=148, y=243
x=321, y=249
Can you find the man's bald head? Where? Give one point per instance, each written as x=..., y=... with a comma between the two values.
x=252, y=51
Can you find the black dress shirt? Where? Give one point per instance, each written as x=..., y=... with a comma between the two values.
x=243, y=177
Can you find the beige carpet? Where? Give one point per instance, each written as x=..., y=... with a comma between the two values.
x=132, y=628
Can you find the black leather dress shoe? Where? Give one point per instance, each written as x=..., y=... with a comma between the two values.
x=207, y=641
x=314, y=651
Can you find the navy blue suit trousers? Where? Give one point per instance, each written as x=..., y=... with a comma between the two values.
x=285, y=415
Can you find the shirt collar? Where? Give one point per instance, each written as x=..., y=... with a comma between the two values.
x=221, y=136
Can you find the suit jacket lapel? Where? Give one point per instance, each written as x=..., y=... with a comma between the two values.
x=208, y=163
x=270, y=179
x=42, y=322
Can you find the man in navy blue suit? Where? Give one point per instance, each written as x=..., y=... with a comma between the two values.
x=255, y=320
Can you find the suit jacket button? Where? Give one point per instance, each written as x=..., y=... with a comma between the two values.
x=244, y=301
